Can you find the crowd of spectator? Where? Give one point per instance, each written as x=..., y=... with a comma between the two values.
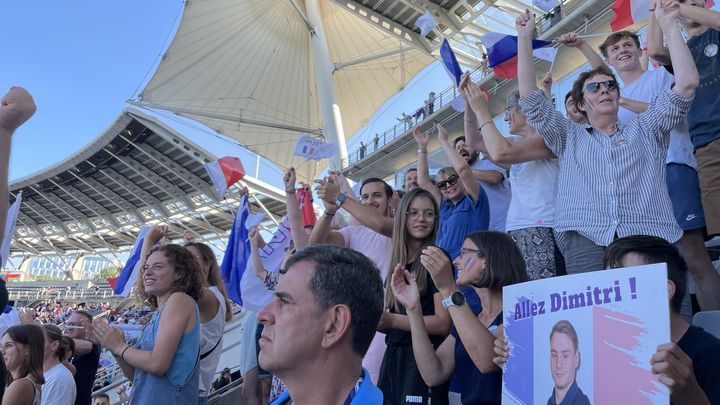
x=405, y=304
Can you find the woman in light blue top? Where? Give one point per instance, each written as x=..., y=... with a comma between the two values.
x=171, y=281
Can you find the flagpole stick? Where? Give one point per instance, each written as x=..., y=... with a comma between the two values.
x=552, y=64
x=602, y=34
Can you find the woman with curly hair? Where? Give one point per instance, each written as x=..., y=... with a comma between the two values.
x=164, y=363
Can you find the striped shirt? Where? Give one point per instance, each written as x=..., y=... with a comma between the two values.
x=614, y=184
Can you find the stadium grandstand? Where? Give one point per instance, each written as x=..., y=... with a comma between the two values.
x=78, y=220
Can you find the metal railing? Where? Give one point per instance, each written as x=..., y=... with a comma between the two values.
x=449, y=94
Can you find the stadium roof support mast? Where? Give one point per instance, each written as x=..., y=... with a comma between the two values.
x=332, y=120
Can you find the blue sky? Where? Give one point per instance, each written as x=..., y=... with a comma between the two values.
x=82, y=59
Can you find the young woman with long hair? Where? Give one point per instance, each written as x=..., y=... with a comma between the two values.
x=215, y=311
x=414, y=229
x=22, y=350
x=164, y=363
x=488, y=261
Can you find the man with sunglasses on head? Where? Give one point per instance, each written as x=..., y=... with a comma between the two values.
x=622, y=51
x=612, y=174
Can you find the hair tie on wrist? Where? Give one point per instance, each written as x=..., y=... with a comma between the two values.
x=481, y=126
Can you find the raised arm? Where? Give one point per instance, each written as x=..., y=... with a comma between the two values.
x=257, y=265
x=329, y=191
x=572, y=40
x=687, y=78
x=422, y=139
x=177, y=316
x=435, y=367
x=472, y=185
x=700, y=15
x=500, y=149
x=299, y=236
x=525, y=25
x=655, y=44
x=478, y=340
x=16, y=107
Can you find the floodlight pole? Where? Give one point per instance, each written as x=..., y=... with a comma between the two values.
x=332, y=121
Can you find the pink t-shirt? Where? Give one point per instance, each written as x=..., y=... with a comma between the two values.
x=377, y=247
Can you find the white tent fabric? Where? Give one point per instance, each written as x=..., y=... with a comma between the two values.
x=238, y=61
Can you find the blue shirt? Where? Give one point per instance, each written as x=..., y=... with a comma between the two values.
x=476, y=388
x=367, y=393
x=459, y=220
x=180, y=384
x=574, y=396
x=704, y=115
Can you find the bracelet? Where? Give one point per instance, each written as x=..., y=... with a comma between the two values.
x=290, y=190
x=421, y=150
x=481, y=126
x=329, y=214
x=122, y=355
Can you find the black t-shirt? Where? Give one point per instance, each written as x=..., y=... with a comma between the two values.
x=396, y=337
x=704, y=351
x=86, y=366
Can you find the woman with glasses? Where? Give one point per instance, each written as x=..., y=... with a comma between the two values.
x=488, y=262
x=414, y=229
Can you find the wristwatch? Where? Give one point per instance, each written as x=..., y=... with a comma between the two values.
x=340, y=199
x=455, y=299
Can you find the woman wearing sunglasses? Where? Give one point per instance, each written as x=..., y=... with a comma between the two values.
x=414, y=229
x=488, y=262
x=463, y=204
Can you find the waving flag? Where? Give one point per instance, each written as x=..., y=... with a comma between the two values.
x=449, y=62
x=237, y=253
x=629, y=12
x=225, y=172
x=10, y=228
x=502, y=52
x=545, y=5
x=426, y=22
x=254, y=293
x=315, y=149
x=129, y=273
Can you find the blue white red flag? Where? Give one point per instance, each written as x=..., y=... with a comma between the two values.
x=131, y=271
x=237, y=253
x=315, y=149
x=502, y=50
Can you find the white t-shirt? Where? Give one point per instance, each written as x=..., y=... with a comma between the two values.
x=211, y=333
x=644, y=89
x=498, y=195
x=534, y=187
x=59, y=387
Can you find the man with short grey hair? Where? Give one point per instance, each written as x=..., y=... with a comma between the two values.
x=320, y=324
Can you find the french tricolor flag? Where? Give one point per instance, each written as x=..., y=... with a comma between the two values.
x=225, y=172
x=629, y=12
x=126, y=280
x=502, y=52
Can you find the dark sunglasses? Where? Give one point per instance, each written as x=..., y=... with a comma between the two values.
x=451, y=181
x=610, y=85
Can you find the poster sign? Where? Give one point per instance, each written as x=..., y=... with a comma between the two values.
x=587, y=338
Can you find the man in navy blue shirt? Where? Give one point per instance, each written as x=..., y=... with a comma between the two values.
x=689, y=365
x=564, y=364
